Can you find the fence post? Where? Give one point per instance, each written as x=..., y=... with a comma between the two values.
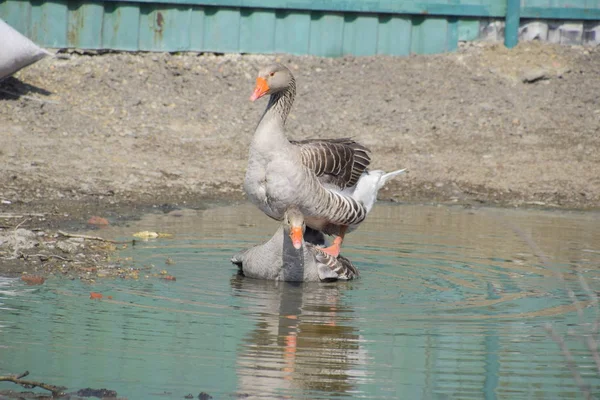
x=511, y=28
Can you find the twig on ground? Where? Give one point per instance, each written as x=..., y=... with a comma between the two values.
x=21, y=223
x=74, y=235
x=11, y=215
x=27, y=384
x=23, y=375
x=25, y=256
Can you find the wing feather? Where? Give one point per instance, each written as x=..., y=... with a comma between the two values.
x=339, y=162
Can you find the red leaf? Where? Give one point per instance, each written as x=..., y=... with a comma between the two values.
x=33, y=279
x=95, y=220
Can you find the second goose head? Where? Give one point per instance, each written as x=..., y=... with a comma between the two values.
x=272, y=79
x=294, y=226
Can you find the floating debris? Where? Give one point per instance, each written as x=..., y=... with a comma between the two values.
x=151, y=235
x=96, y=220
x=100, y=393
x=33, y=279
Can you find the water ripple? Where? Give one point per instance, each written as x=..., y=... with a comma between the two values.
x=452, y=303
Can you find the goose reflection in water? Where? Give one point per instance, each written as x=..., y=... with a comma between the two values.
x=303, y=340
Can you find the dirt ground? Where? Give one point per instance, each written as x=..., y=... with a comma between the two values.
x=105, y=134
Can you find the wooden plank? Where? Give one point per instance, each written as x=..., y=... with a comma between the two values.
x=197, y=28
x=120, y=27
x=567, y=3
x=221, y=29
x=429, y=35
x=561, y=13
x=180, y=25
x=360, y=34
x=257, y=31
x=292, y=32
x=394, y=36
x=468, y=29
x=326, y=34
x=48, y=23
x=452, y=34
x=487, y=8
x=513, y=21
x=539, y=3
x=84, y=27
x=164, y=28
x=17, y=14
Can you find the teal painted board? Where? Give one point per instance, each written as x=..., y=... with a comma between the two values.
x=395, y=35
x=164, y=28
x=84, y=26
x=539, y=3
x=483, y=8
x=17, y=14
x=561, y=13
x=48, y=23
x=452, y=34
x=197, y=18
x=257, y=31
x=160, y=26
x=326, y=34
x=468, y=29
x=221, y=29
x=512, y=23
x=175, y=29
x=120, y=27
x=558, y=3
x=292, y=32
x=360, y=34
x=429, y=35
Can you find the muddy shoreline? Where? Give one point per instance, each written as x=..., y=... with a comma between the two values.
x=117, y=134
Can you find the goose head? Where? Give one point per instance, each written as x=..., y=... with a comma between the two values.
x=272, y=79
x=294, y=226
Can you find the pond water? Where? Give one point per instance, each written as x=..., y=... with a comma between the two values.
x=452, y=304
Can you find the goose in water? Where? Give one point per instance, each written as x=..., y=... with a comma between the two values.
x=287, y=257
x=327, y=179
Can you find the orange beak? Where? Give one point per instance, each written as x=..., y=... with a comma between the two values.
x=296, y=236
x=260, y=90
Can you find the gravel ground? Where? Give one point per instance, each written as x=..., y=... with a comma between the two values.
x=84, y=134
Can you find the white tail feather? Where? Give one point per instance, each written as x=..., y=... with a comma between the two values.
x=390, y=175
x=369, y=184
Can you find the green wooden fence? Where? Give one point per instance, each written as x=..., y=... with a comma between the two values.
x=317, y=27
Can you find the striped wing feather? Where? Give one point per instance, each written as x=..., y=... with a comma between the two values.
x=338, y=267
x=339, y=162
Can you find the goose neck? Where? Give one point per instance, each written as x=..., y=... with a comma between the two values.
x=280, y=103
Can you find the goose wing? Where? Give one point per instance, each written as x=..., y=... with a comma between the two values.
x=339, y=162
x=332, y=268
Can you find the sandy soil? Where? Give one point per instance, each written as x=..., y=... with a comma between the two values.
x=86, y=134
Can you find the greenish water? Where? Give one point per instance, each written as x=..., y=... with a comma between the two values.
x=451, y=304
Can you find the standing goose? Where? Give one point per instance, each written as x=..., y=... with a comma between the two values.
x=327, y=179
x=287, y=257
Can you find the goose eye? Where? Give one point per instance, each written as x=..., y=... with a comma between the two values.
x=272, y=73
